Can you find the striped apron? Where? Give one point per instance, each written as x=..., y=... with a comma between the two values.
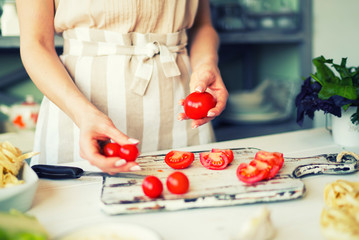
x=136, y=79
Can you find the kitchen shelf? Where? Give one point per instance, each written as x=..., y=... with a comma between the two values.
x=254, y=32
x=260, y=37
x=298, y=35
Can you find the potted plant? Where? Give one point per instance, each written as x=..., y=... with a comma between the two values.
x=330, y=92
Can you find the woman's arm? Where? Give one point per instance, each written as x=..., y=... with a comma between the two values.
x=204, y=43
x=44, y=67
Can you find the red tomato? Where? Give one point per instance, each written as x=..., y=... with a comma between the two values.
x=152, y=186
x=273, y=172
x=214, y=160
x=196, y=105
x=111, y=149
x=177, y=183
x=129, y=152
x=228, y=152
x=262, y=166
x=178, y=159
x=277, y=157
x=250, y=174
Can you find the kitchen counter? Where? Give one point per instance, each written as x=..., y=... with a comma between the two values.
x=62, y=205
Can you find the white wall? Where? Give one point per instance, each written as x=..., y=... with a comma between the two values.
x=336, y=29
x=335, y=34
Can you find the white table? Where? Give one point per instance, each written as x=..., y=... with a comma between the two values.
x=64, y=204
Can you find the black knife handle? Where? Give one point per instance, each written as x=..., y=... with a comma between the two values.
x=57, y=172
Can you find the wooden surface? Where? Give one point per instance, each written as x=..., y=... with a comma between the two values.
x=212, y=188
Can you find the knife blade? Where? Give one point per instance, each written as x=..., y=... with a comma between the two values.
x=67, y=172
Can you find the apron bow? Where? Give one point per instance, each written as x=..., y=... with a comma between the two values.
x=77, y=42
x=144, y=69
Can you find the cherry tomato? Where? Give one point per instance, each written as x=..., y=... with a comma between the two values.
x=152, y=186
x=177, y=183
x=129, y=152
x=196, y=105
x=250, y=174
x=179, y=159
x=262, y=166
x=228, y=152
x=214, y=160
x=111, y=149
x=277, y=157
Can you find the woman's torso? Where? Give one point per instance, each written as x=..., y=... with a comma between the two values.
x=124, y=16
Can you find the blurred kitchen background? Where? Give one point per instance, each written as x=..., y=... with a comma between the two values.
x=266, y=51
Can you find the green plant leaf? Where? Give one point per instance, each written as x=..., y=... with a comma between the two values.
x=343, y=71
x=324, y=74
x=331, y=89
x=344, y=85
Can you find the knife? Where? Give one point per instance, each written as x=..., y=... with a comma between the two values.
x=67, y=172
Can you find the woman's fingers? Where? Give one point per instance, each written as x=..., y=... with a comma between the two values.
x=91, y=151
x=113, y=164
x=119, y=137
x=201, y=79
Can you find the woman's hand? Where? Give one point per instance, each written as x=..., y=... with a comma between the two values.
x=98, y=127
x=206, y=77
x=204, y=43
x=37, y=46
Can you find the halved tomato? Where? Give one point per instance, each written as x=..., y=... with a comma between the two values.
x=214, y=160
x=179, y=159
x=277, y=157
x=228, y=152
x=264, y=166
x=250, y=174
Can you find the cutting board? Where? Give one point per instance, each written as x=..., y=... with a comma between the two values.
x=208, y=188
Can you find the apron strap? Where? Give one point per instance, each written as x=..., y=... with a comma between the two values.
x=146, y=53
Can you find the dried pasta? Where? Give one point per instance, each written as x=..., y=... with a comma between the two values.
x=11, y=161
x=340, y=220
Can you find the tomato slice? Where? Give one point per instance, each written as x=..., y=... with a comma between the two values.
x=263, y=166
x=214, y=160
x=277, y=157
x=250, y=174
x=228, y=152
x=273, y=172
x=179, y=159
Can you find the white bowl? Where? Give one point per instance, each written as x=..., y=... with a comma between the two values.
x=20, y=197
